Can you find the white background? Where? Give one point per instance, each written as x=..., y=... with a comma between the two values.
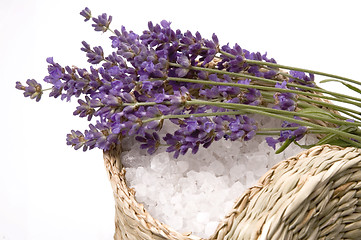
x=50, y=191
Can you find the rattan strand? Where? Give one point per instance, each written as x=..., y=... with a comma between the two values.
x=314, y=195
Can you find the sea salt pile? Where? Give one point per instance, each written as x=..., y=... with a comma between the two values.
x=194, y=192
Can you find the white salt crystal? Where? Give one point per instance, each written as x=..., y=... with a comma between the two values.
x=237, y=189
x=148, y=178
x=192, y=175
x=220, y=196
x=172, y=167
x=203, y=217
x=197, y=228
x=206, y=187
x=236, y=171
x=182, y=166
x=227, y=144
x=141, y=189
x=216, y=167
x=224, y=180
x=228, y=205
x=210, y=228
x=163, y=197
x=168, y=211
x=176, y=222
x=250, y=178
x=130, y=173
x=259, y=172
x=130, y=161
x=190, y=188
x=175, y=199
x=190, y=207
x=140, y=172
x=205, y=177
x=159, y=162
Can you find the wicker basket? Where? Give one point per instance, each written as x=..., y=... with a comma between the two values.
x=314, y=195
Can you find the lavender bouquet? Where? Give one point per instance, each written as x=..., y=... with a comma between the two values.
x=207, y=90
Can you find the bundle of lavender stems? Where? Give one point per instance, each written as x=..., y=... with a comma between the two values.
x=208, y=91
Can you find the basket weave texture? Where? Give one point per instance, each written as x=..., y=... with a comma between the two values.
x=314, y=195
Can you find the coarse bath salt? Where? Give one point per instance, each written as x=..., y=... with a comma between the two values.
x=194, y=192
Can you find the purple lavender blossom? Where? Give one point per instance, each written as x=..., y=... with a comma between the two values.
x=235, y=64
x=150, y=142
x=98, y=135
x=95, y=56
x=252, y=97
x=76, y=139
x=33, y=90
x=242, y=127
x=284, y=100
x=86, y=13
x=302, y=78
x=55, y=73
x=202, y=131
x=102, y=22
x=71, y=81
x=294, y=135
x=84, y=109
x=133, y=84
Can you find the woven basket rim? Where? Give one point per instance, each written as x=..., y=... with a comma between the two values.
x=151, y=228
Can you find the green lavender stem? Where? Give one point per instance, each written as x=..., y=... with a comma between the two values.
x=339, y=96
x=275, y=65
x=245, y=86
x=260, y=109
x=242, y=108
x=276, y=131
x=302, y=70
x=273, y=115
x=280, y=114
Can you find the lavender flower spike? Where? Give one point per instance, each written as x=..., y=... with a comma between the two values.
x=170, y=75
x=102, y=22
x=86, y=13
x=33, y=90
